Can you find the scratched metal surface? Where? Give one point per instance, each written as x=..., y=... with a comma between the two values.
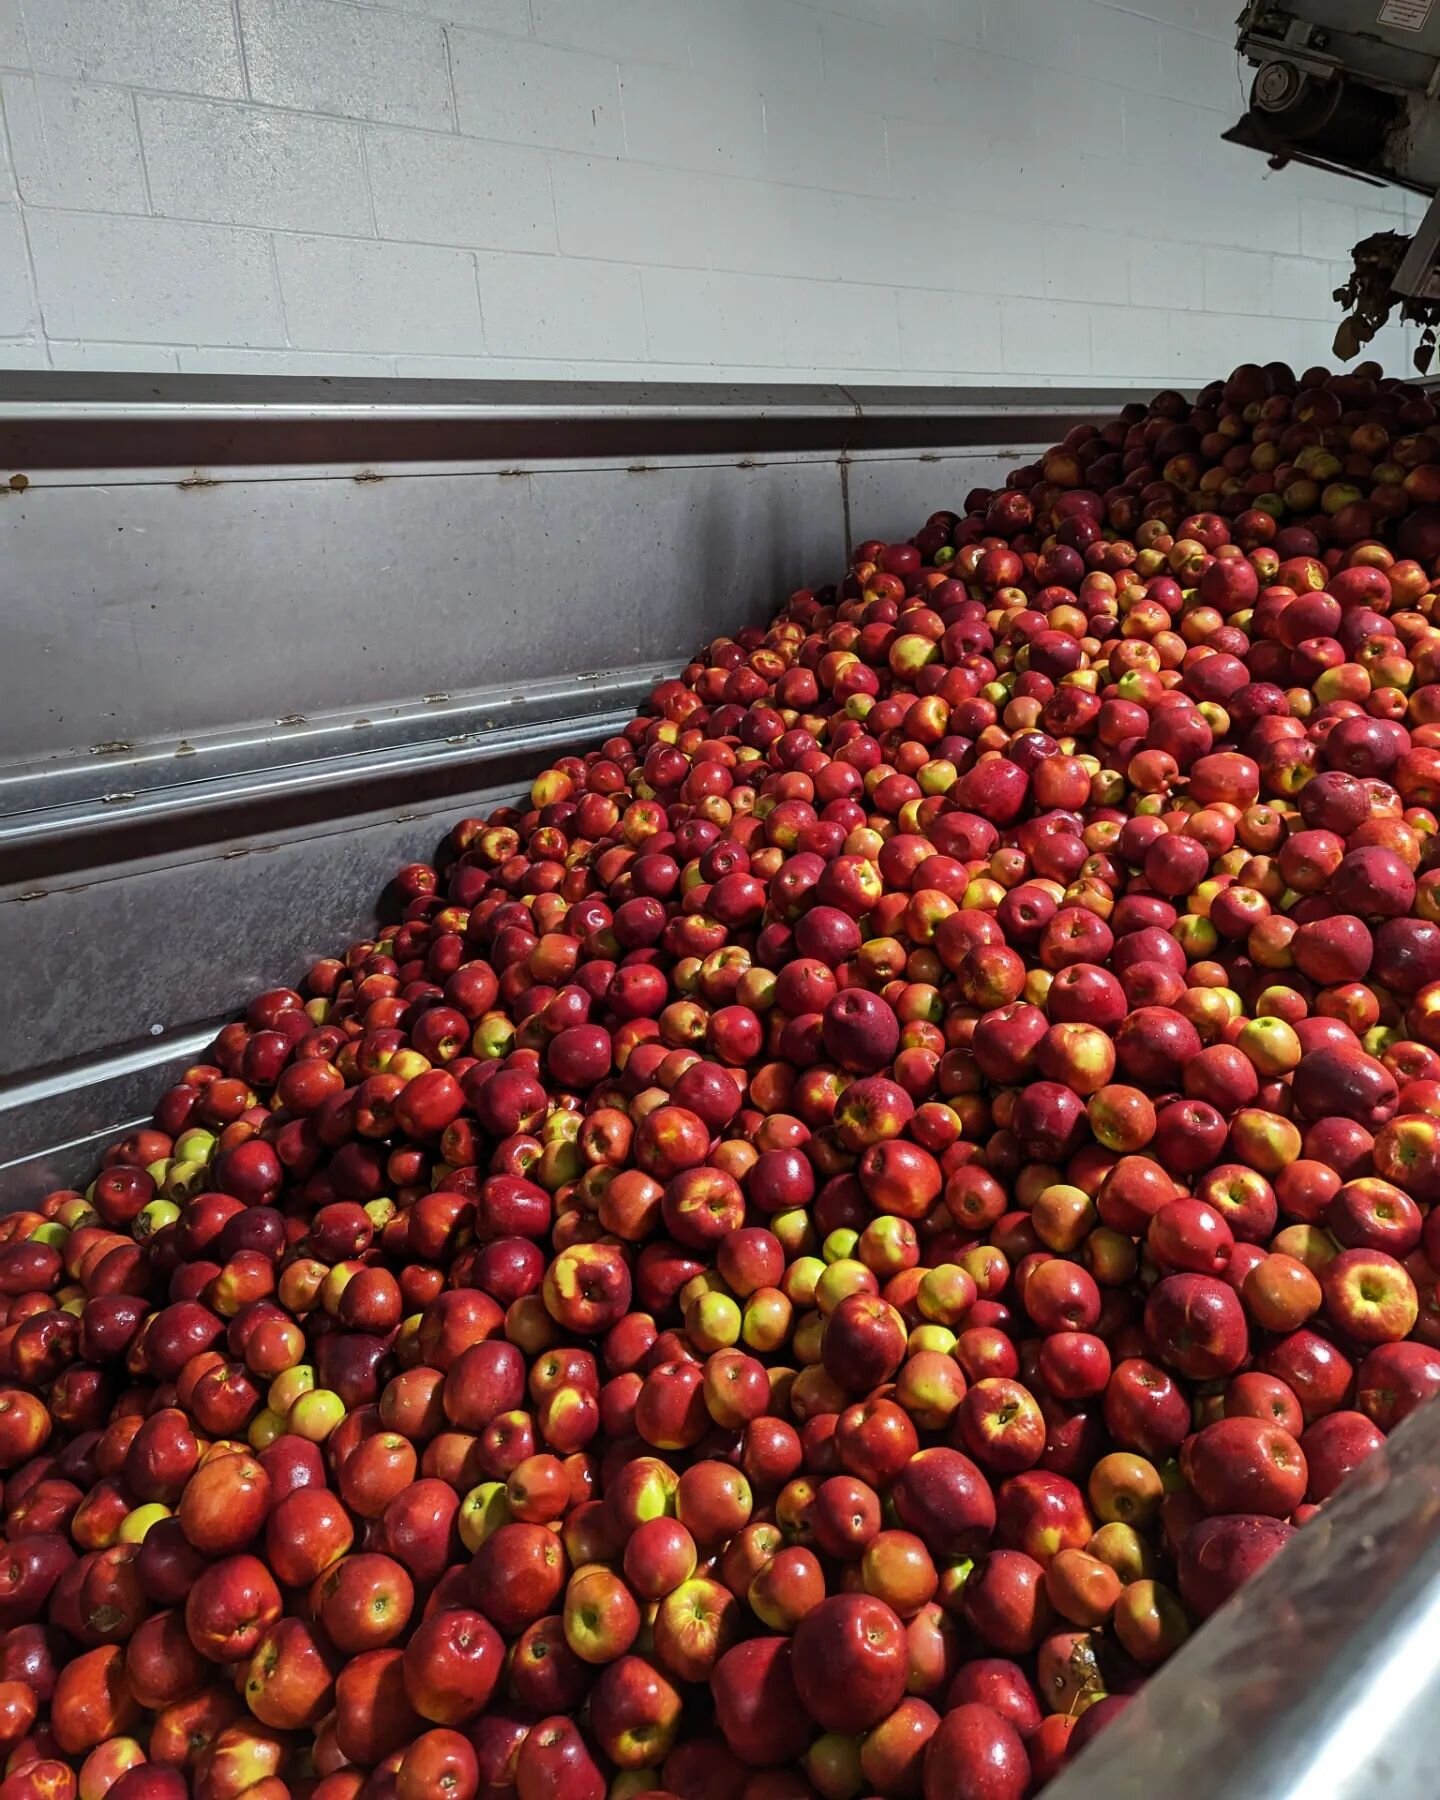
x=142, y=611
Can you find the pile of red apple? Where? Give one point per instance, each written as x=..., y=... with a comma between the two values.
x=808, y=1259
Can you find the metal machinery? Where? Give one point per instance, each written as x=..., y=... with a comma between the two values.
x=263, y=640
x=1352, y=86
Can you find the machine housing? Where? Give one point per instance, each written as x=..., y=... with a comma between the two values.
x=1352, y=86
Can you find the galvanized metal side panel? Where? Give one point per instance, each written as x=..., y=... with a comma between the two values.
x=105, y=957
x=139, y=611
x=891, y=494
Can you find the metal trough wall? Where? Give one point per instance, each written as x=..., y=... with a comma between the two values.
x=263, y=640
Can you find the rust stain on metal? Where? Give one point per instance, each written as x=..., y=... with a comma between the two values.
x=368, y=475
x=291, y=719
x=641, y=469
x=19, y=483
x=358, y=724
x=120, y=747
x=184, y=748
x=34, y=894
x=436, y=700
x=511, y=474
x=199, y=481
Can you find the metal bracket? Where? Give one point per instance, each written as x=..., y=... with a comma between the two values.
x=1418, y=277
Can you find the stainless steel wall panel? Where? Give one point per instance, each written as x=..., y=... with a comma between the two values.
x=891, y=494
x=143, y=611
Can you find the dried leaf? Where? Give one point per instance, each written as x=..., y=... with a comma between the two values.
x=1347, y=339
x=1370, y=301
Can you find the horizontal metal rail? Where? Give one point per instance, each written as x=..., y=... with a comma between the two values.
x=54, y=421
x=56, y=801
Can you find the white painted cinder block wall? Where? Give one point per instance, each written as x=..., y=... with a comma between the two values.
x=856, y=190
